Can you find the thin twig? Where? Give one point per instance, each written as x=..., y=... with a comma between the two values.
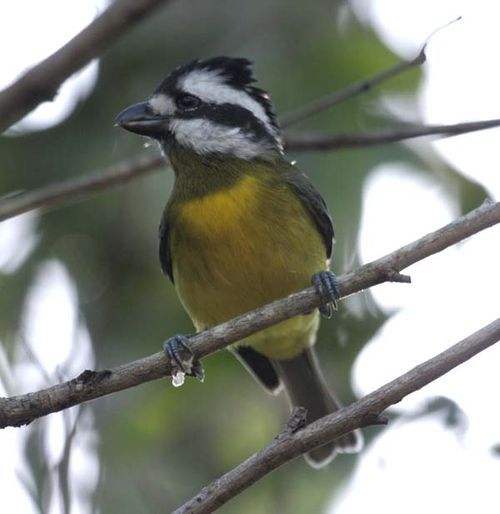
x=337, y=97
x=325, y=142
x=70, y=191
x=288, y=446
x=42, y=82
x=23, y=409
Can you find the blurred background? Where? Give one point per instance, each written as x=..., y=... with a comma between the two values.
x=80, y=286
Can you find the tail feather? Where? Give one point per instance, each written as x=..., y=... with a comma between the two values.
x=306, y=387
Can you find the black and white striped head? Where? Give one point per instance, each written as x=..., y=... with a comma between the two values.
x=211, y=107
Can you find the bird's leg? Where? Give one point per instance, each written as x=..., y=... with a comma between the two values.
x=178, y=351
x=326, y=285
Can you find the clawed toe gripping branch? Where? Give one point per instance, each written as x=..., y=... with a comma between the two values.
x=327, y=288
x=178, y=352
x=23, y=409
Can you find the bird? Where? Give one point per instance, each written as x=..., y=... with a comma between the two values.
x=243, y=226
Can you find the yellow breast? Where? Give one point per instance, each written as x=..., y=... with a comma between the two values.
x=242, y=247
x=223, y=212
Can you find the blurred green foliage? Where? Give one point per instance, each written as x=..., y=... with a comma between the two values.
x=160, y=445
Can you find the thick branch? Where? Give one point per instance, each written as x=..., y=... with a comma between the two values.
x=288, y=445
x=321, y=104
x=323, y=142
x=42, y=82
x=69, y=191
x=23, y=409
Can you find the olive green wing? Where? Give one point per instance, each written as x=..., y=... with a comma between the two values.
x=164, y=249
x=302, y=187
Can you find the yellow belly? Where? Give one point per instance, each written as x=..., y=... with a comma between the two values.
x=240, y=248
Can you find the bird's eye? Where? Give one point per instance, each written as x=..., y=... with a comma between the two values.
x=187, y=102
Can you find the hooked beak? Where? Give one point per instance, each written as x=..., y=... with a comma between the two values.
x=141, y=119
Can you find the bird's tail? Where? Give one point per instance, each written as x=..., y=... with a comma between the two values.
x=306, y=387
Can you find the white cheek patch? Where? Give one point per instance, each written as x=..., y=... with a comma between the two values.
x=209, y=86
x=162, y=104
x=206, y=137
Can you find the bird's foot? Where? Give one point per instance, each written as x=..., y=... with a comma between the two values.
x=326, y=285
x=183, y=360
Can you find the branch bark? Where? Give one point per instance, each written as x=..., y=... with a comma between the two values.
x=286, y=446
x=23, y=409
x=42, y=82
x=323, y=142
x=72, y=190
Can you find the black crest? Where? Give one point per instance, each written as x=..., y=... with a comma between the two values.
x=236, y=71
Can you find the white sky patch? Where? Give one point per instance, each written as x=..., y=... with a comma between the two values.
x=405, y=25
x=50, y=318
x=454, y=293
x=462, y=84
x=84, y=467
x=461, y=81
x=55, y=346
x=393, y=214
x=210, y=87
x=15, y=497
x=50, y=24
x=420, y=467
x=18, y=238
x=450, y=296
x=52, y=329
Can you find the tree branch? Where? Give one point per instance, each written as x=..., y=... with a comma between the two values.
x=288, y=445
x=42, y=82
x=23, y=409
x=72, y=190
x=323, y=142
x=327, y=101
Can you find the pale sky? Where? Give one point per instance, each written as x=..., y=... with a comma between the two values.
x=421, y=465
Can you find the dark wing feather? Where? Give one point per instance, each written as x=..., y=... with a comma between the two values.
x=165, y=255
x=300, y=184
x=260, y=367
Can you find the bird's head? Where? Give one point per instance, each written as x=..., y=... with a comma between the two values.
x=210, y=107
